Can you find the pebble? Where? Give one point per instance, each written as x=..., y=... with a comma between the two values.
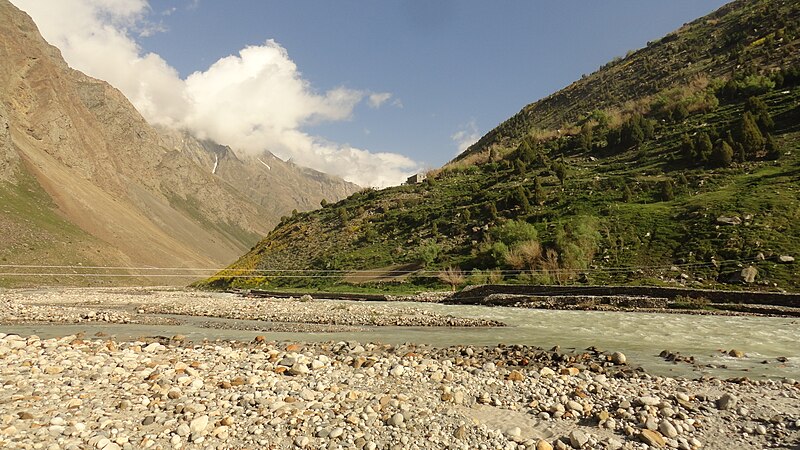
x=618, y=358
x=652, y=438
x=199, y=424
x=727, y=401
x=396, y=420
x=578, y=438
x=667, y=429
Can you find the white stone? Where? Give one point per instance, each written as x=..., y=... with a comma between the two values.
x=199, y=424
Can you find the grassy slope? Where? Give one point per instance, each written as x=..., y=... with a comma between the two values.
x=638, y=241
x=738, y=35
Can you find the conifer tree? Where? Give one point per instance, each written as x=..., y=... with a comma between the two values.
x=722, y=155
x=749, y=136
x=491, y=209
x=560, y=170
x=758, y=108
x=687, y=148
x=773, y=152
x=627, y=195
x=585, y=138
x=520, y=168
x=539, y=196
x=522, y=199
x=667, y=191
x=683, y=183
x=702, y=147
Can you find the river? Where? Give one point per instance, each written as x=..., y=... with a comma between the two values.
x=641, y=336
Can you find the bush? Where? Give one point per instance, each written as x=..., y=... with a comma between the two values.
x=515, y=231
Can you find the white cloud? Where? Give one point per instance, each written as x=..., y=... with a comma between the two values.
x=466, y=136
x=379, y=98
x=253, y=101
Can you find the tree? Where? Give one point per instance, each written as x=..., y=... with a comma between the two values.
x=526, y=152
x=520, y=168
x=560, y=170
x=680, y=112
x=702, y=147
x=687, y=148
x=773, y=152
x=585, y=137
x=323, y=203
x=343, y=216
x=539, y=196
x=521, y=199
x=683, y=183
x=452, y=276
x=667, y=191
x=632, y=134
x=627, y=195
x=636, y=130
x=749, y=136
x=428, y=252
x=515, y=231
x=758, y=108
x=525, y=255
x=722, y=155
x=491, y=208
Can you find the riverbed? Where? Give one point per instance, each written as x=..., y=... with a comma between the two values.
x=769, y=344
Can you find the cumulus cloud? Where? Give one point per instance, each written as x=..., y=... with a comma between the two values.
x=466, y=136
x=253, y=101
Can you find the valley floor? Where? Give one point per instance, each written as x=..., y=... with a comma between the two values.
x=79, y=391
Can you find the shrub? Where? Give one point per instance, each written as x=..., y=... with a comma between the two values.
x=515, y=231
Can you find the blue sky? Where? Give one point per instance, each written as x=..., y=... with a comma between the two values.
x=450, y=66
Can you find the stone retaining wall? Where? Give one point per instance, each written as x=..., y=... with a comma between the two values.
x=477, y=295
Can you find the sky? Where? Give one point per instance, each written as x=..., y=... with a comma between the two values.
x=372, y=91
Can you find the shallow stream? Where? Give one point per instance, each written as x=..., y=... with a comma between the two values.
x=641, y=336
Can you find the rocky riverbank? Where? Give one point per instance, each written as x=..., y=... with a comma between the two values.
x=81, y=391
x=75, y=393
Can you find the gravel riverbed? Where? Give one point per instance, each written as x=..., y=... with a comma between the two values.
x=145, y=306
x=79, y=392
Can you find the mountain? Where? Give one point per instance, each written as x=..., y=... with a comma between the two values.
x=275, y=185
x=86, y=181
x=678, y=164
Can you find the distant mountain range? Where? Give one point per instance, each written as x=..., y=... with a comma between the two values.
x=678, y=164
x=86, y=181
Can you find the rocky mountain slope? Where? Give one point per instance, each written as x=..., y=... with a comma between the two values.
x=84, y=180
x=678, y=164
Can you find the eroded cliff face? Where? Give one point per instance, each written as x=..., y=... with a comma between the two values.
x=104, y=170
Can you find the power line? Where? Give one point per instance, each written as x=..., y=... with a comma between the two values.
x=368, y=271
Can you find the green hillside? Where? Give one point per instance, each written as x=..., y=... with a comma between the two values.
x=677, y=164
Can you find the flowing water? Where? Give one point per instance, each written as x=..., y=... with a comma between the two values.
x=641, y=336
